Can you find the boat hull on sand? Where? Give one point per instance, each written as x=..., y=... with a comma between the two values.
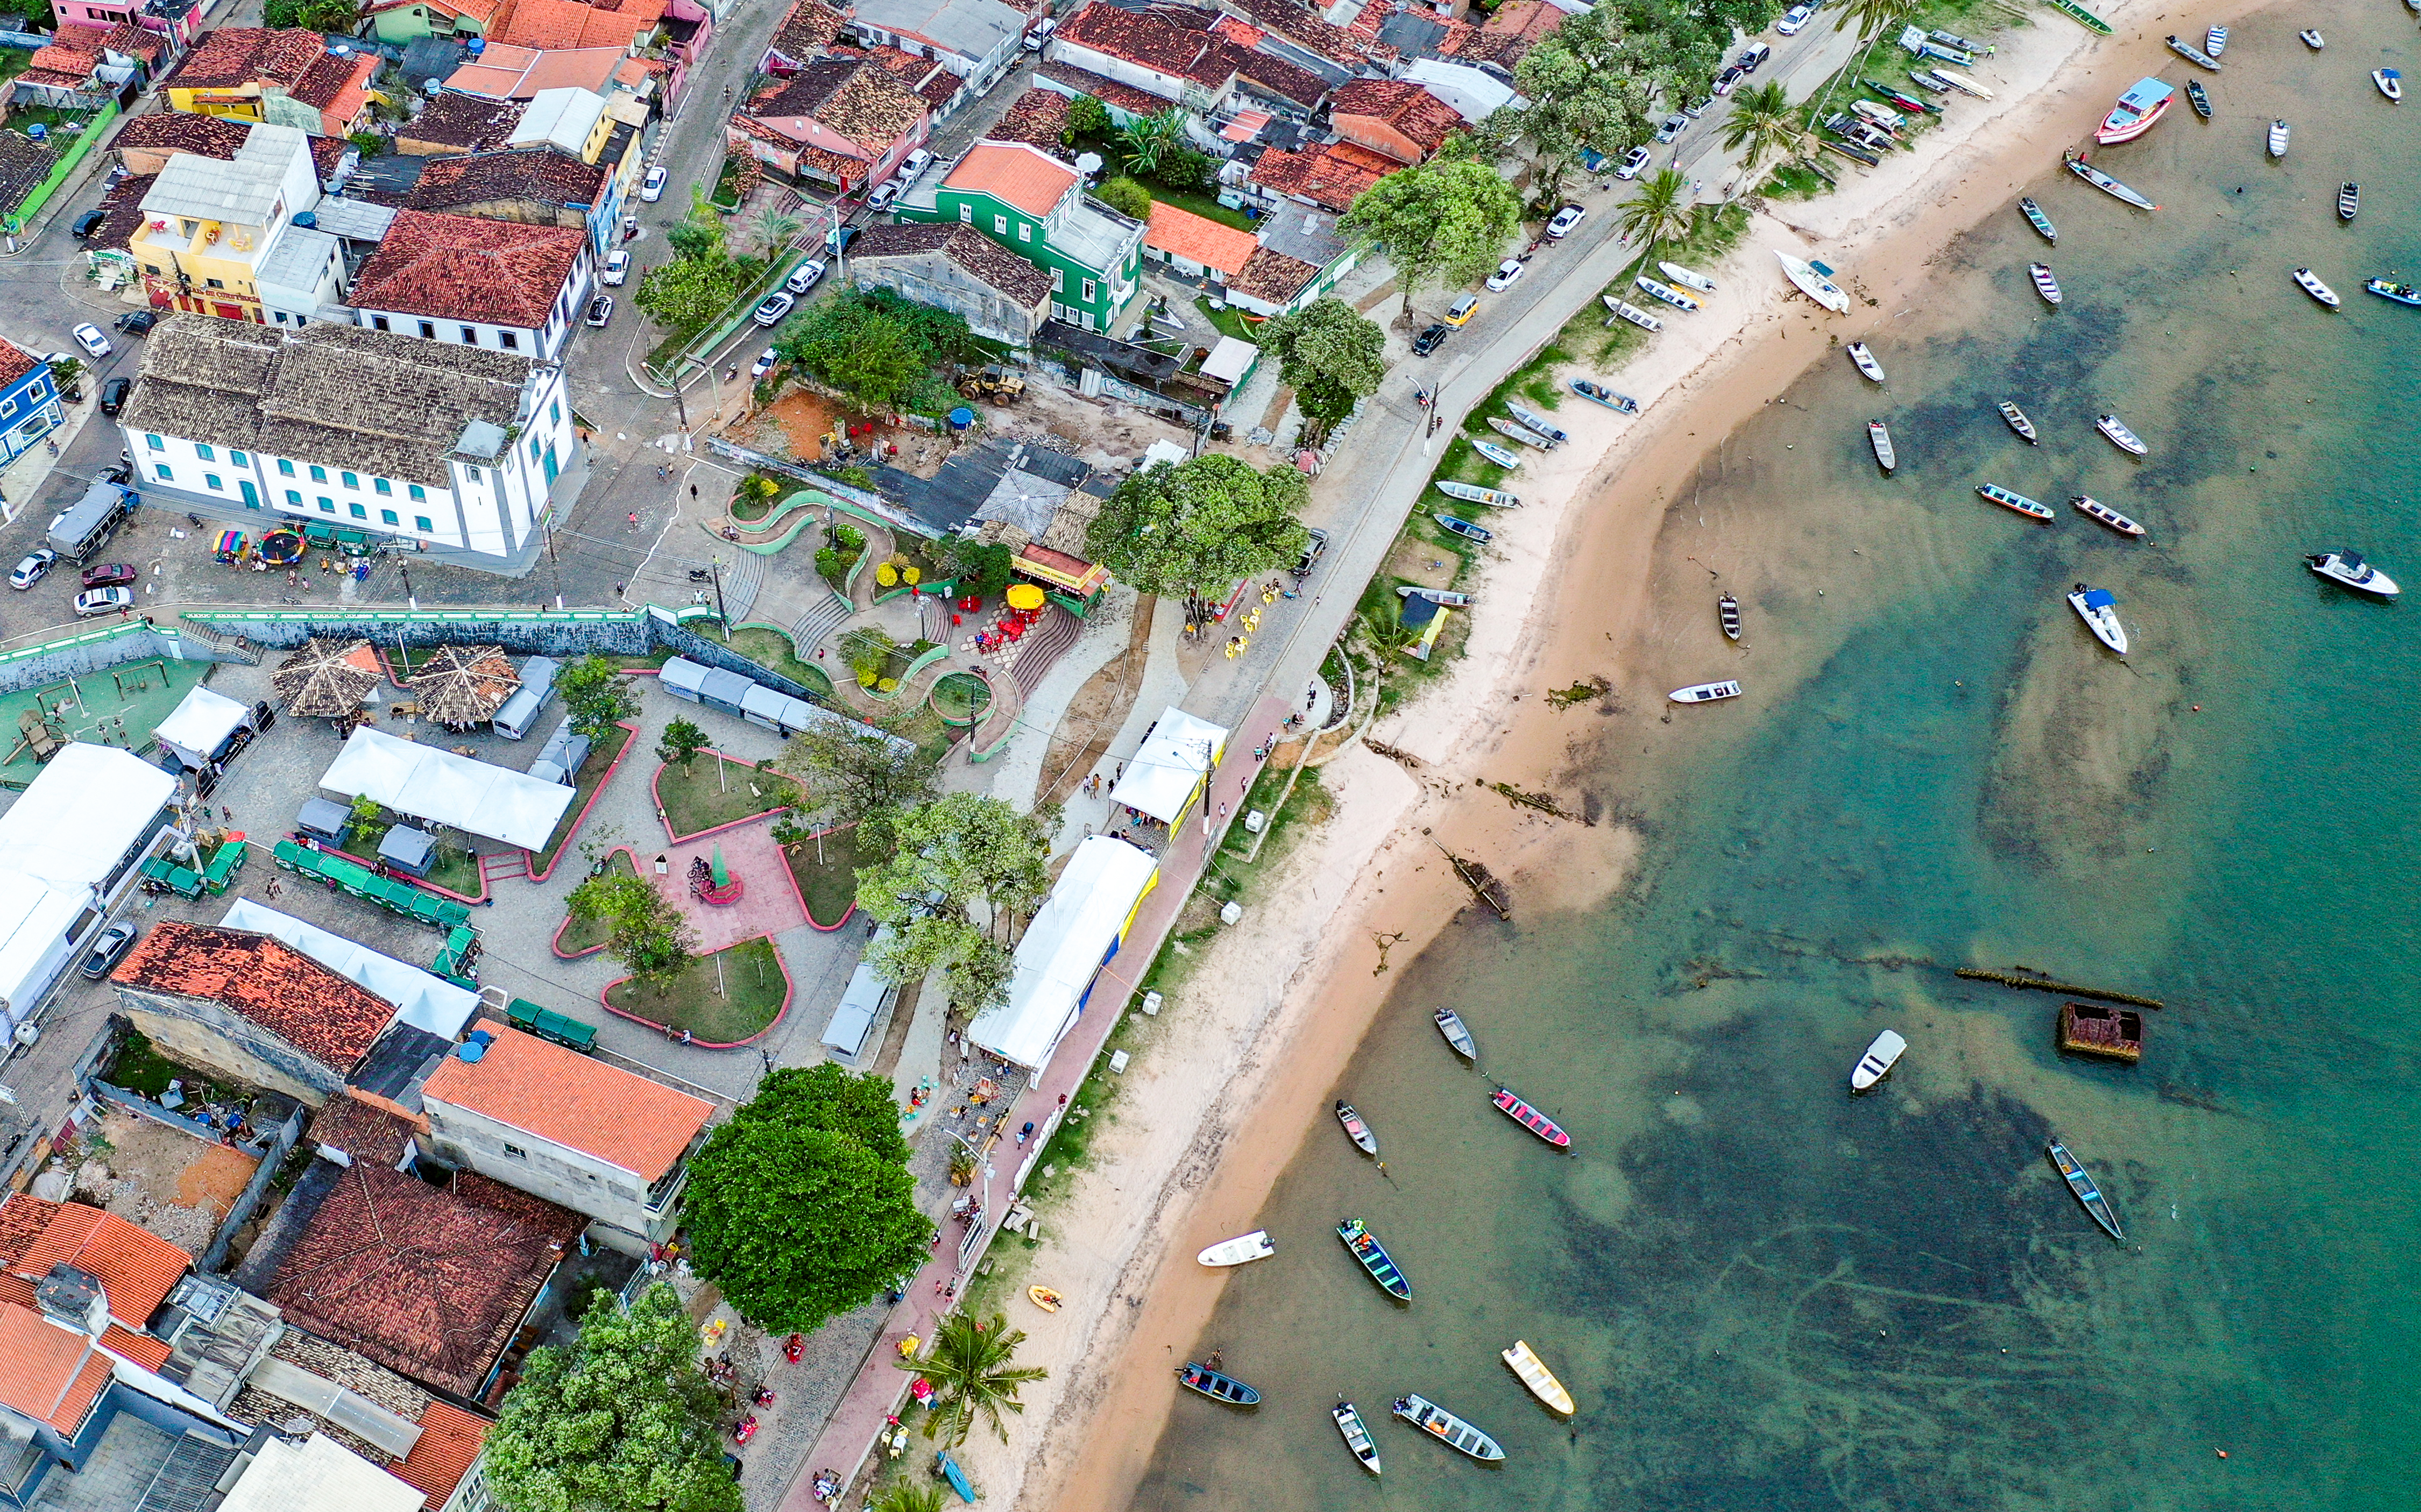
x=1598, y=393
x=1728, y=615
x=1686, y=278
x=1464, y=528
x=2018, y=502
x=2390, y=83
x=2099, y=609
x=1241, y=1249
x=1632, y=313
x=1502, y=456
x=1879, y=436
x=1457, y=1034
x=1705, y=692
x=1044, y=1298
x=1447, y=1428
x=1864, y=359
x=2080, y=1183
x=2192, y=53
x=1357, y=1438
x=1374, y=1259
x=1512, y=430
x=2108, y=185
x=2093, y=508
x=1813, y=283
x=1665, y=293
x=1524, y=1362
x=2199, y=98
x=1223, y=1389
x=1536, y=422
x=1878, y=1060
x=1474, y=493
x=2279, y=134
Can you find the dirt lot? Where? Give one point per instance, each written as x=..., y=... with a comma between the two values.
x=792, y=425
x=1096, y=429
x=168, y=1181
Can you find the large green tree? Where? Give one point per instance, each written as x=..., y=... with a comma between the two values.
x=1329, y=354
x=967, y=868
x=875, y=348
x=1199, y=527
x=1444, y=221
x=687, y=293
x=801, y=1207
x=973, y=1374
x=623, y=1420
x=1762, y=125
x=596, y=696
x=1582, y=90
x=861, y=775
x=650, y=936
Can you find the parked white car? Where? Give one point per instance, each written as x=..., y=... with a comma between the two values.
x=804, y=276
x=652, y=187
x=1561, y=227
x=885, y=192
x=1505, y=276
x=88, y=337
x=1796, y=18
x=618, y=268
x=1634, y=161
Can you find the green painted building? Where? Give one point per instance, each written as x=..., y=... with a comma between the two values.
x=1036, y=205
x=407, y=21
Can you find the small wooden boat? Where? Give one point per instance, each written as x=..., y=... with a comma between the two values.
x=2349, y=201
x=2120, y=437
x=1464, y=528
x=2199, y=98
x=1510, y=1104
x=1727, y=612
x=2279, y=133
x=2015, y=501
x=2351, y=569
x=2310, y=37
x=1243, y=1250
x=1902, y=99
x=1357, y=1438
x=1964, y=84
x=1474, y=493
x=1218, y=1387
x=2401, y=293
x=2215, y=42
x=1446, y=1428
x=1815, y=285
x=2035, y=218
x=1853, y=154
x=1524, y=1362
x=2312, y=285
x=1495, y=453
x=1879, y=436
x=1705, y=692
x=1512, y=432
x=1632, y=313
x=2099, y=609
x=2089, y=1029
x=1687, y=279
x=2108, y=185
x=1926, y=80
x=1536, y=421
x=1355, y=1129
x=2045, y=283
x=1882, y=117
x=2019, y=423
x=2094, y=509
x=1374, y=1259
x=1665, y=292
x=2192, y=53
x=2080, y=1183
x=1044, y=1298
x=1436, y=596
x=2083, y=17
x=1863, y=356
x=2391, y=84
x=1878, y=1060
x=1612, y=399
x=1451, y=1025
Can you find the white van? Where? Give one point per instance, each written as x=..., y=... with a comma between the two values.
x=522, y=709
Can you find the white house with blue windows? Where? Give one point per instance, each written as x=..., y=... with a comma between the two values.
x=29, y=400
x=460, y=453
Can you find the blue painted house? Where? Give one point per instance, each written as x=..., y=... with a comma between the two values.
x=29, y=400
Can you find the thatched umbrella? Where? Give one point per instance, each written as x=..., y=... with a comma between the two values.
x=460, y=686
x=327, y=678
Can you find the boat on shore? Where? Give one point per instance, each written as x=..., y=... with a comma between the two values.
x=1536, y=422
x=2019, y=423
x=2199, y=98
x=1358, y=1436
x=2083, y=17
x=2120, y=437
x=2310, y=37
x=1962, y=84
x=1464, y=528
x=1495, y=453
x=2108, y=185
x=1813, y=283
x=2014, y=501
x=1727, y=614
x=1457, y=1034
x=1513, y=431
x=1632, y=313
x=1879, y=436
x=2099, y=609
x=2351, y=569
x=2093, y=508
x=1355, y=1129
x=1863, y=356
x=1855, y=154
x=1926, y=79
x=1509, y=1103
x=2349, y=201
x=1705, y=692
x=2143, y=103
x=1878, y=1060
x=2401, y=293
x=1881, y=118
x=1444, y=597
x=2192, y=53
x=2090, y=1029
x=1902, y=100
x=1686, y=278
x=1618, y=402
x=1666, y=292
x=1524, y=1362
x=1446, y=1428
x=2279, y=133
x=2312, y=285
x=2215, y=41
x=1218, y=1387
x=2080, y=1183
x=2035, y=218
x=1241, y=1249
x=1044, y=1298
x=2391, y=84
x=2045, y=283
x=1374, y=1259
x=1474, y=493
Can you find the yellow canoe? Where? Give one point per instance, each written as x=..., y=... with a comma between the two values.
x=1525, y=1364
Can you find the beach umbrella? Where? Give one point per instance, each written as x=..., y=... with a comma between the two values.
x=1025, y=596
x=327, y=678
x=460, y=686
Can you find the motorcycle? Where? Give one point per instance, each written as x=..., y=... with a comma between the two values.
x=745, y=1429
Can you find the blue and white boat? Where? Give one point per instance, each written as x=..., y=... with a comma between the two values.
x=1599, y=393
x=2099, y=609
x=2080, y=1183
x=2146, y=101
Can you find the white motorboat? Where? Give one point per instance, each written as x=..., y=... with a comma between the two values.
x=2318, y=290
x=1623, y=309
x=1445, y=597
x=2120, y=437
x=1687, y=279
x=2391, y=84
x=2045, y=283
x=2093, y=508
x=1474, y=493
x=1706, y=692
x=1864, y=358
x=1357, y=1438
x=2310, y=37
x=2099, y=609
x=1665, y=292
x=1880, y=435
x=1495, y=453
x=1877, y=1062
x=2351, y=569
x=2279, y=132
x=1243, y=1250
x=1814, y=284
x=1536, y=421
x=1524, y=1362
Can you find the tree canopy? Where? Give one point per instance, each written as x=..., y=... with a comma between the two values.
x=1199, y=527
x=1582, y=94
x=972, y=1375
x=596, y=696
x=623, y=1420
x=966, y=868
x=801, y=1207
x=1444, y=221
x=1329, y=354
x=861, y=775
x=646, y=933
x=876, y=348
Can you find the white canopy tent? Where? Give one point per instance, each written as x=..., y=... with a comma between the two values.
x=196, y=728
x=67, y=840
x=1080, y=925
x=422, y=999
x=428, y=782
x=1164, y=775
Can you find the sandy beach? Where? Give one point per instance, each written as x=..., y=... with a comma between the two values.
x=1237, y=1073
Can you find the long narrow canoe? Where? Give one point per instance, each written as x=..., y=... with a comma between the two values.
x=1666, y=292
x=2041, y=222
x=2108, y=185
x=1524, y=1362
x=1536, y=421
x=1474, y=493
x=1512, y=1107
x=2083, y=17
x=1374, y=1259
x=1625, y=310
x=1521, y=433
x=2080, y=1183
x=2193, y=55
x=1446, y=1428
x=2015, y=501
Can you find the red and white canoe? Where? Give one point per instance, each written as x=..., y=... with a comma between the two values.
x=2144, y=101
x=1531, y=1118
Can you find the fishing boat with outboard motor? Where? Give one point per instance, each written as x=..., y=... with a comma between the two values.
x=1878, y=1060
x=2312, y=285
x=2018, y=502
x=2349, y=201
x=2192, y=53
x=2199, y=98
x=2108, y=185
x=2093, y=508
x=1665, y=292
x=1241, y=1249
x=2045, y=283
x=1464, y=528
x=2279, y=134
x=1357, y=1438
x=1355, y=1129
x=2401, y=293
x=2080, y=1183
x=1217, y=1386
x=1510, y=1104
x=1474, y=493
x=1374, y=1259
x=2035, y=218
x=1686, y=278
x=1863, y=356
x=2120, y=437
x=2099, y=609
x=1457, y=1034
x=1446, y=1428
x=2391, y=84
x=1524, y=1362
x=2351, y=569
x=1705, y=692
x=1598, y=392
x=2143, y=103
x=1813, y=283
x=1727, y=614
x=1879, y=436
x=1536, y=421
x=2215, y=41
x=2018, y=422
x=1625, y=310
x=1500, y=455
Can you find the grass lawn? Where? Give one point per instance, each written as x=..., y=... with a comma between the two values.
x=702, y=800
x=456, y=870
x=581, y=936
x=1228, y=323
x=959, y=698
x=601, y=755
x=829, y=885
x=771, y=650
x=722, y=998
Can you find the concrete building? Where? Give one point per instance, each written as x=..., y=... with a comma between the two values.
x=29, y=399
x=463, y=280
x=218, y=237
x=1036, y=205
x=840, y=124
x=999, y=295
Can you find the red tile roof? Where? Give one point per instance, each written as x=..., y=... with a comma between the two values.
x=1329, y=175
x=1273, y=276
x=984, y=260
x=454, y=119
x=806, y=31
x=456, y=268
x=136, y=1269
x=1197, y=238
x=1423, y=118
x=854, y=97
x=1037, y=118
x=1307, y=29
x=174, y=130
x=568, y=1100
x=134, y=41
x=448, y=1446
x=553, y=23
x=15, y=361
x=541, y=175
x=326, y=1016
x=1015, y=174
x=46, y=1372
x=142, y=1349
x=338, y=87
x=233, y=55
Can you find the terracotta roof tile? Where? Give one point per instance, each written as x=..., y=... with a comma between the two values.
x=142, y=1349
x=65, y=62
x=233, y=55
x=448, y=1448
x=1038, y=118
x=1158, y=40
x=1102, y=87
x=1023, y=175
x=462, y=121
x=940, y=90
x=568, y=1100
x=1329, y=175
x=134, y=41
x=1197, y=238
x=557, y=24
x=806, y=31
x=15, y=362
x=543, y=175
x=326, y=1016
x=1420, y=116
x=1308, y=30
x=857, y=98
x=136, y=1269
x=988, y=261
x=46, y=1372
x=175, y=131
x=338, y=87
x=457, y=268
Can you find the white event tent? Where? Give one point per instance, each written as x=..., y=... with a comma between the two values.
x=1165, y=776
x=197, y=727
x=67, y=844
x=1078, y=927
x=427, y=782
x=422, y=999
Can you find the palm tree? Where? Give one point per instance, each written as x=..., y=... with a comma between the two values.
x=906, y=1496
x=1876, y=17
x=971, y=1373
x=774, y=228
x=1389, y=636
x=1146, y=139
x=1663, y=209
x=1763, y=119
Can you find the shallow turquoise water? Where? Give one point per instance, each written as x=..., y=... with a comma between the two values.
x=1767, y=1295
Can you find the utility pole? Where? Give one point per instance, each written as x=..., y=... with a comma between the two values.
x=716, y=566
